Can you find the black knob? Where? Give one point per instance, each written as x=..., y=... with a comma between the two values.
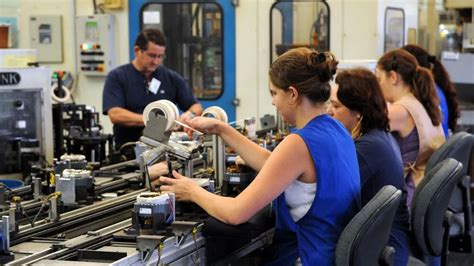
x=18, y=104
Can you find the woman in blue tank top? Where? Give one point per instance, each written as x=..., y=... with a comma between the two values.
x=312, y=175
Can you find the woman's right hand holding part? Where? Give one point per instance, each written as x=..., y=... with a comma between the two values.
x=254, y=155
x=206, y=125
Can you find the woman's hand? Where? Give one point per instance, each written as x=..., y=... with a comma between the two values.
x=206, y=125
x=181, y=186
x=185, y=118
x=157, y=170
x=239, y=161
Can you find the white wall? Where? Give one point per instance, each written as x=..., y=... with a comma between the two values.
x=253, y=58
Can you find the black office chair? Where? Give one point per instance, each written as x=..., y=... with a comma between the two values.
x=430, y=217
x=363, y=241
x=458, y=147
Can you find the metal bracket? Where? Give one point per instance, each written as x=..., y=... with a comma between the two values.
x=147, y=244
x=155, y=129
x=181, y=230
x=53, y=214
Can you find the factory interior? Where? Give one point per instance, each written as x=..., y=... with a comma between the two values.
x=172, y=132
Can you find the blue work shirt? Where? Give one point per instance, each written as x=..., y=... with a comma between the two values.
x=126, y=87
x=380, y=164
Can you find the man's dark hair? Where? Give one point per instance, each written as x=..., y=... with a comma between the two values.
x=150, y=35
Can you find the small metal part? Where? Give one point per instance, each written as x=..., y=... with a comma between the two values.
x=53, y=213
x=5, y=233
x=147, y=244
x=93, y=233
x=37, y=188
x=181, y=230
x=15, y=212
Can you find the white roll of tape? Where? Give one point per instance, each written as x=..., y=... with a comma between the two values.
x=165, y=108
x=153, y=198
x=215, y=112
x=67, y=94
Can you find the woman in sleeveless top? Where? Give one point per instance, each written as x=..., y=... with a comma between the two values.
x=357, y=101
x=446, y=91
x=312, y=174
x=414, y=114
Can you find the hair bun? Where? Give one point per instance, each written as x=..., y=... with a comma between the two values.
x=320, y=58
x=316, y=58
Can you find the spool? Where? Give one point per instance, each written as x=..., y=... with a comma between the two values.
x=215, y=112
x=67, y=94
x=73, y=157
x=162, y=107
x=152, y=198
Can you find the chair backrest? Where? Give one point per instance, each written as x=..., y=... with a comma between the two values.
x=457, y=147
x=366, y=235
x=430, y=203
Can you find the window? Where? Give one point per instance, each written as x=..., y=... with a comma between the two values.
x=298, y=24
x=394, y=28
x=194, y=42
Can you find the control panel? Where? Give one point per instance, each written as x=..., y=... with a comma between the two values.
x=95, y=41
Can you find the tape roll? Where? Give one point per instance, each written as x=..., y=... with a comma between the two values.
x=73, y=157
x=165, y=108
x=152, y=198
x=67, y=94
x=215, y=112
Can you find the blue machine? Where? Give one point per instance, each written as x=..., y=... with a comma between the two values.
x=200, y=44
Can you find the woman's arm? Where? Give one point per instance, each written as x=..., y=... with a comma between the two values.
x=400, y=120
x=254, y=155
x=272, y=180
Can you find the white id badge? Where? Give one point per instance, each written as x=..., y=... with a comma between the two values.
x=154, y=85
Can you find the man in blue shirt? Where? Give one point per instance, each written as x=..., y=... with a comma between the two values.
x=131, y=87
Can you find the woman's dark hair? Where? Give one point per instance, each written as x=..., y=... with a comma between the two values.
x=360, y=91
x=441, y=78
x=150, y=35
x=306, y=70
x=419, y=79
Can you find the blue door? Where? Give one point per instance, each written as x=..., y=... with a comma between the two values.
x=200, y=44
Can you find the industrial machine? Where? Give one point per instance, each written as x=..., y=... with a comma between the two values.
x=78, y=131
x=76, y=211
x=25, y=132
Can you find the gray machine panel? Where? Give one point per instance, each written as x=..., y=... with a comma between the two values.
x=25, y=111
